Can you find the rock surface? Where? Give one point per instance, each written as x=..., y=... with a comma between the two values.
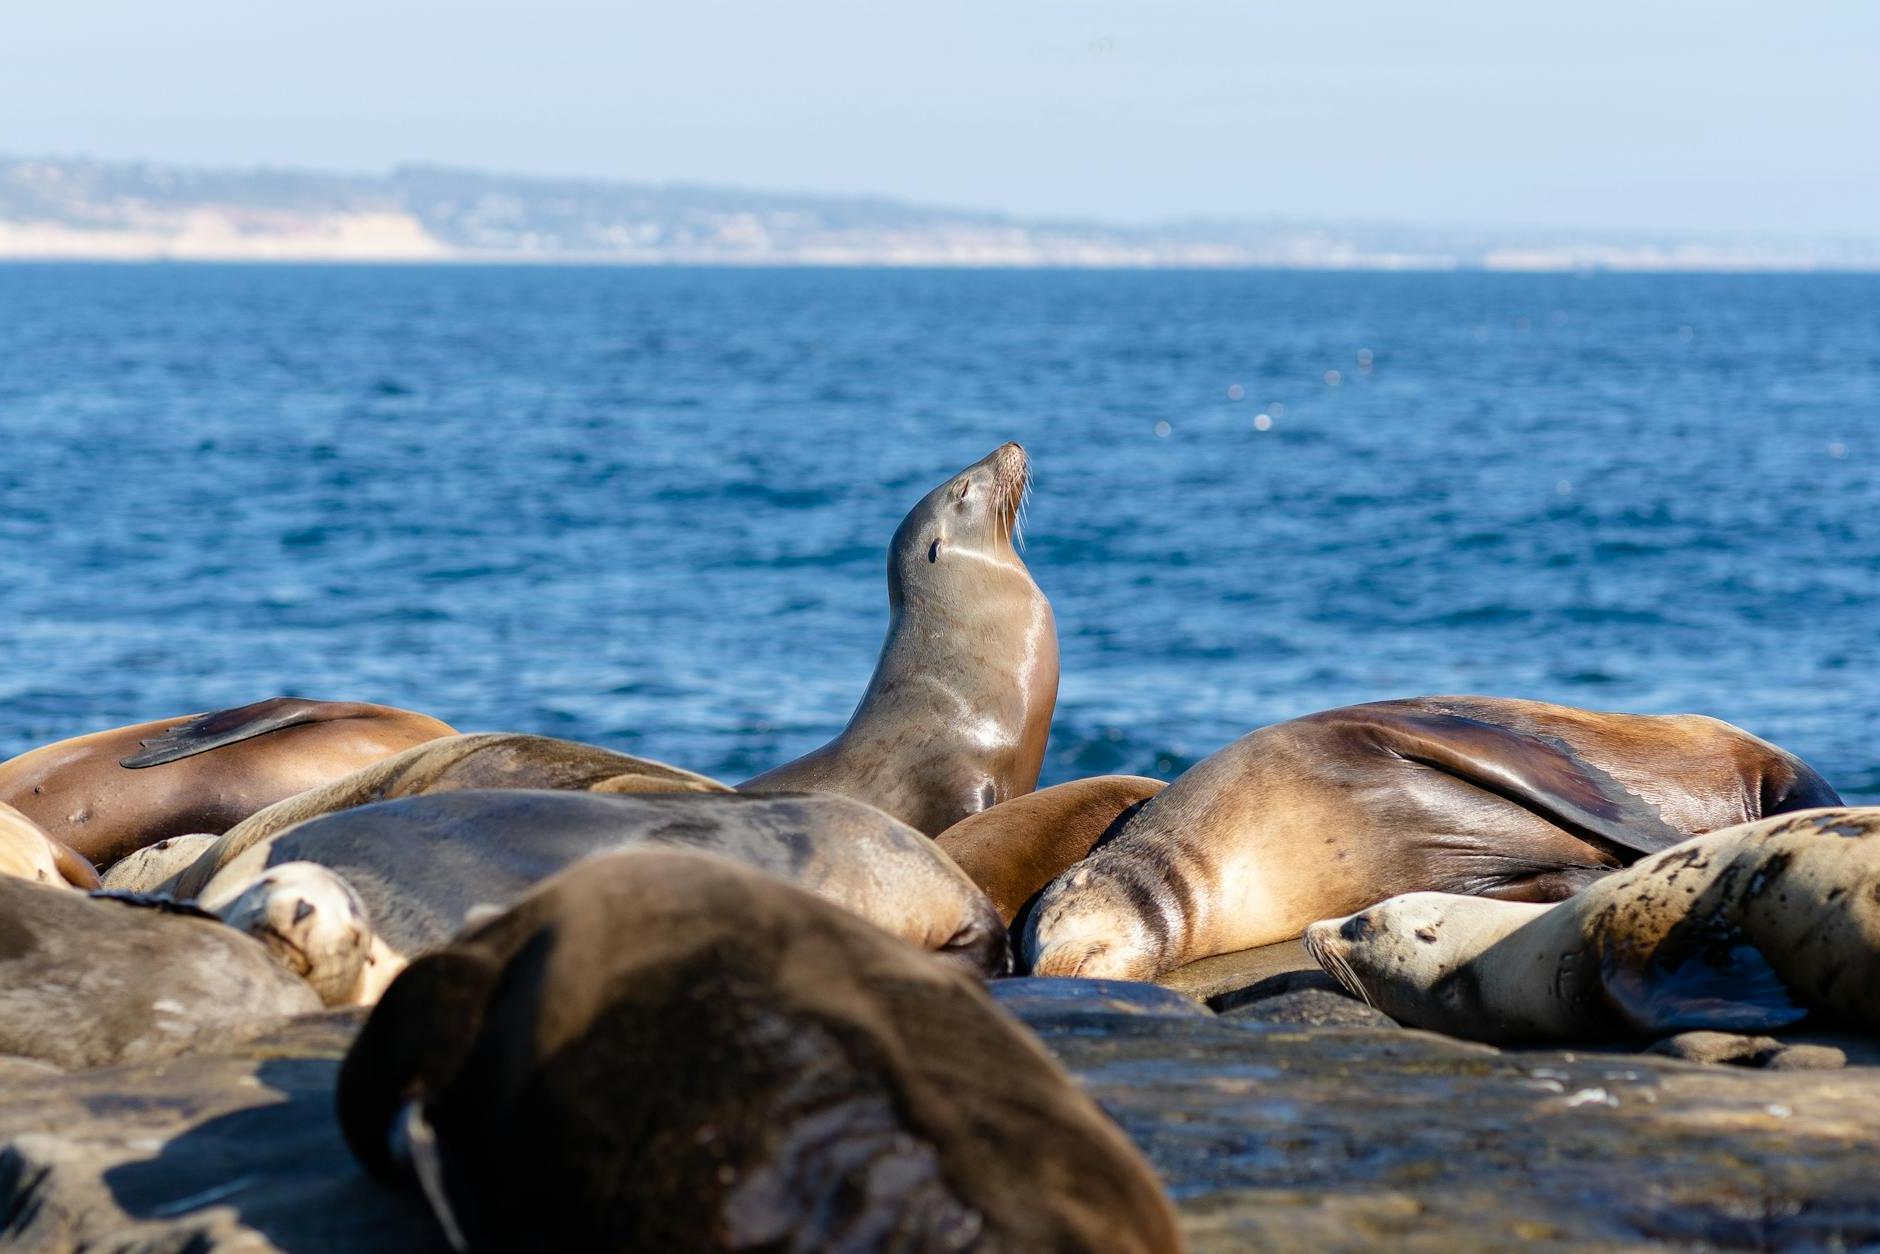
x=1267, y=1135
x=1730, y=1049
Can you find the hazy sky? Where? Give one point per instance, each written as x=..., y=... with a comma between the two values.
x=1652, y=113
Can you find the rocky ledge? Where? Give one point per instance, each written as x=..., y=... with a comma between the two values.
x=1295, y=1118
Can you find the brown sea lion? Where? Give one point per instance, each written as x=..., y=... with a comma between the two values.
x=86, y=981
x=747, y=1067
x=955, y=718
x=112, y=792
x=1327, y=814
x=1017, y=847
x=455, y=763
x=423, y=865
x=1744, y=930
x=28, y=853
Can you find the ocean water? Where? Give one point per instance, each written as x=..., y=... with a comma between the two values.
x=648, y=508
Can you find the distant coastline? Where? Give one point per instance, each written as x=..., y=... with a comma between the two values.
x=84, y=210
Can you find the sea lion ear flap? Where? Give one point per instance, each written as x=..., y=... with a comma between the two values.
x=410, y=1048
x=1725, y=987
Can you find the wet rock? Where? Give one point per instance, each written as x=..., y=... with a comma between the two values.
x=1719, y=1048
x=237, y=1149
x=1267, y=1135
x=1808, y=1058
x=1730, y=1049
x=1223, y=974
x=1309, y=1007
x=1101, y=1008
x=1360, y=1138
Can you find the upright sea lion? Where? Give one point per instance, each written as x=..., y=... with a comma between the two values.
x=453, y=764
x=86, y=982
x=1017, y=847
x=955, y=719
x=112, y=792
x=746, y=1068
x=1743, y=930
x=422, y=865
x=1327, y=814
x=28, y=853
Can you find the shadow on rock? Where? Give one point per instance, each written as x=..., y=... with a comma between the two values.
x=281, y=1171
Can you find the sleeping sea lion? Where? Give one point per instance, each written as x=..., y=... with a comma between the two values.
x=453, y=764
x=313, y=923
x=27, y=852
x=423, y=865
x=112, y=792
x=955, y=718
x=87, y=981
x=1744, y=930
x=155, y=868
x=1327, y=814
x=748, y=1067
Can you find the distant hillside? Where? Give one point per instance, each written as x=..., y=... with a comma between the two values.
x=80, y=209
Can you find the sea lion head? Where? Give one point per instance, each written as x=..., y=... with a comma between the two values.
x=1101, y=920
x=1410, y=956
x=310, y=919
x=963, y=524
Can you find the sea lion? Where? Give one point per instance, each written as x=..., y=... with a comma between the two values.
x=453, y=763
x=1743, y=930
x=28, y=853
x=313, y=923
x=1017, y=847
x=112, y=792
x=87, y=981
x=746, y=1067
x=955, y=718
x=154, y=868
x=422, y=865
x=1327, y=814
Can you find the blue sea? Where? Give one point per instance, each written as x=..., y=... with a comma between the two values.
x=648, y=508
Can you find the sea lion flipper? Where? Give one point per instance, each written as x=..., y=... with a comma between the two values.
x=74, y=867
x=408, y=1050
x=1718, y=989
x=1530, y=771
x=226, y=727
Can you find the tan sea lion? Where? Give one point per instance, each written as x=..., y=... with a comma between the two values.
x=747, y=1067
x=155, y=868
x=313, y=923
x=87, y=982
x=453, y=764
x=1743, y=930
x=1017, y=847
x=112, y=792
x=1327, y=814
x=955, y=718
x=28, y=853
x=422, y=865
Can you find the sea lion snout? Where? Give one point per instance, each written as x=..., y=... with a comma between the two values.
x=982, y=944
x=1083, y=928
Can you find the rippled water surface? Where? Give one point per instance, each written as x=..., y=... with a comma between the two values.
x=648, y=508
